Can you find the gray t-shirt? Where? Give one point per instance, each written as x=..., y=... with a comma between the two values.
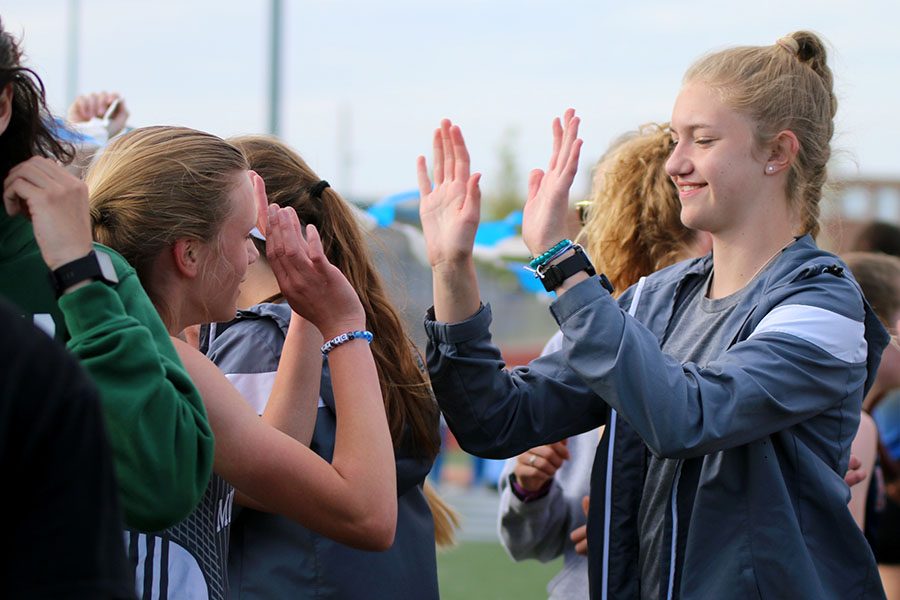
x=696, y=334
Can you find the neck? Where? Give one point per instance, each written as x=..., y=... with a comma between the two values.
x=259, y=284
x=738, y=259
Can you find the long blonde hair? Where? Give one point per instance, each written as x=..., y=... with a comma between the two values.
x=156, y=185
x=634, y=223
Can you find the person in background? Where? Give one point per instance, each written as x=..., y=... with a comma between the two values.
x=271, y=557
x=88, y=297
x=879, y=276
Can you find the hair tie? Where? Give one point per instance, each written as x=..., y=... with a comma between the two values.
x=789, y=44
x=316, y=190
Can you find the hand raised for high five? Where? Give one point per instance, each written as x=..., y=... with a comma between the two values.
x=450, y=211
x=545, y=213
x=314, y=288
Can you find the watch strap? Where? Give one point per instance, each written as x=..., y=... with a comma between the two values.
x=88, y=267
x=553, y=276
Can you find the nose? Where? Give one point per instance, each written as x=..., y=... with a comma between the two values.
x=678, y=163
x=252, y=252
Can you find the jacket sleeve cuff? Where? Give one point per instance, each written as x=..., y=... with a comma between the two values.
x=584, y=293
x=90, y=306
x=457, y=333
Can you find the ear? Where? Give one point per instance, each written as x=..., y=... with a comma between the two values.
x=5, y=107
x=783, y=151
x=186, y=256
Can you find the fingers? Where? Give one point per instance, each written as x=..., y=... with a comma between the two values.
x=579, y=537
x=422, y=177
x=854, y=463
x=534, y=182
x=437, y=150
x=447, y=145
x=460, y=153
x=557, y=143
x=315, y=249
x=473, y=194
x=15, y=195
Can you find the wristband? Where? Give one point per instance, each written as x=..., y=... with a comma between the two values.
x=546, y=256
x=344, y=338
x=527, y=496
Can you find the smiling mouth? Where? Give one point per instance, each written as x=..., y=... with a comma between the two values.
x=687, y=189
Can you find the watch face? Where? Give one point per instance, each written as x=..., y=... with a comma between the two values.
x=106, y=267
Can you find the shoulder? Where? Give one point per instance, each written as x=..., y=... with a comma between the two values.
x=123, y=267
x=252, y=342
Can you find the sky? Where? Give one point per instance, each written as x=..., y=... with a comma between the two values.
x=365, y=83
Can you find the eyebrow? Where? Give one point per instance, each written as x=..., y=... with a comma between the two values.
x=691, y=128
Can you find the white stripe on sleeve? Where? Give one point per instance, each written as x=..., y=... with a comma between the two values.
x=256, y=387
x=836, y=334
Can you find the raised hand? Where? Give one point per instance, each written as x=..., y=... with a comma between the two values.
x=57, y=204
x=538, y=466
x=544, y=216
x=314, y=288
x=95, y=106
x=451, y=210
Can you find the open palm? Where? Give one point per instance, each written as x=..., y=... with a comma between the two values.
x=451, y=209
x=545, y=213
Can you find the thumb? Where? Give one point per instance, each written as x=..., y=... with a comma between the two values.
x=534, y=182
x=585, y=504
x=473, y=193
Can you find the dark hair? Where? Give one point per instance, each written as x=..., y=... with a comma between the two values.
x=879, y=237
x=29, y=132
x=408, y=402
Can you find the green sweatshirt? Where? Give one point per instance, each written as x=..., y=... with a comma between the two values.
x=162, y=443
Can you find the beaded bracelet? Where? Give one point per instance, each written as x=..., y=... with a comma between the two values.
x=542, y=268
x=344, y=338
x=543, y=258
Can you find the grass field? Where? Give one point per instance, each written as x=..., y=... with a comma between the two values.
x=483, y=571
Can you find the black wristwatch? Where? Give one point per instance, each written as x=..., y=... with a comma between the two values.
x=94, y=266
x=553, y=276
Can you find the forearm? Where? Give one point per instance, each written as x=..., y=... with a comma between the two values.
x=161, y=440
x=497, y=413
x=363, y=450
x=762, y=384
x=293, y=402
x=456, y=294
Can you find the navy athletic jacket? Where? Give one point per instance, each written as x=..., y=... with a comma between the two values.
x=763, y=431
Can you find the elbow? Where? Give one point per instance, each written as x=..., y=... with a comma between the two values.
x=160, y=512
x=375, y=530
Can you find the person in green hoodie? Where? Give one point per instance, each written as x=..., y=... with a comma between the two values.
x=88, y=297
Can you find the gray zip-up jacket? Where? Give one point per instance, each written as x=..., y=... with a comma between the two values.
x=764, y=431
x=540, y=528
x=271, y=556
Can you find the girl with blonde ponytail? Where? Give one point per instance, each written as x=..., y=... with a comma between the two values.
x=730, y=385
x=272, y=558
x=180, y=204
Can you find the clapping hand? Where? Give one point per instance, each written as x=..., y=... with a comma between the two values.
x=314, y=288
x=451, y=210
x=545, y=214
